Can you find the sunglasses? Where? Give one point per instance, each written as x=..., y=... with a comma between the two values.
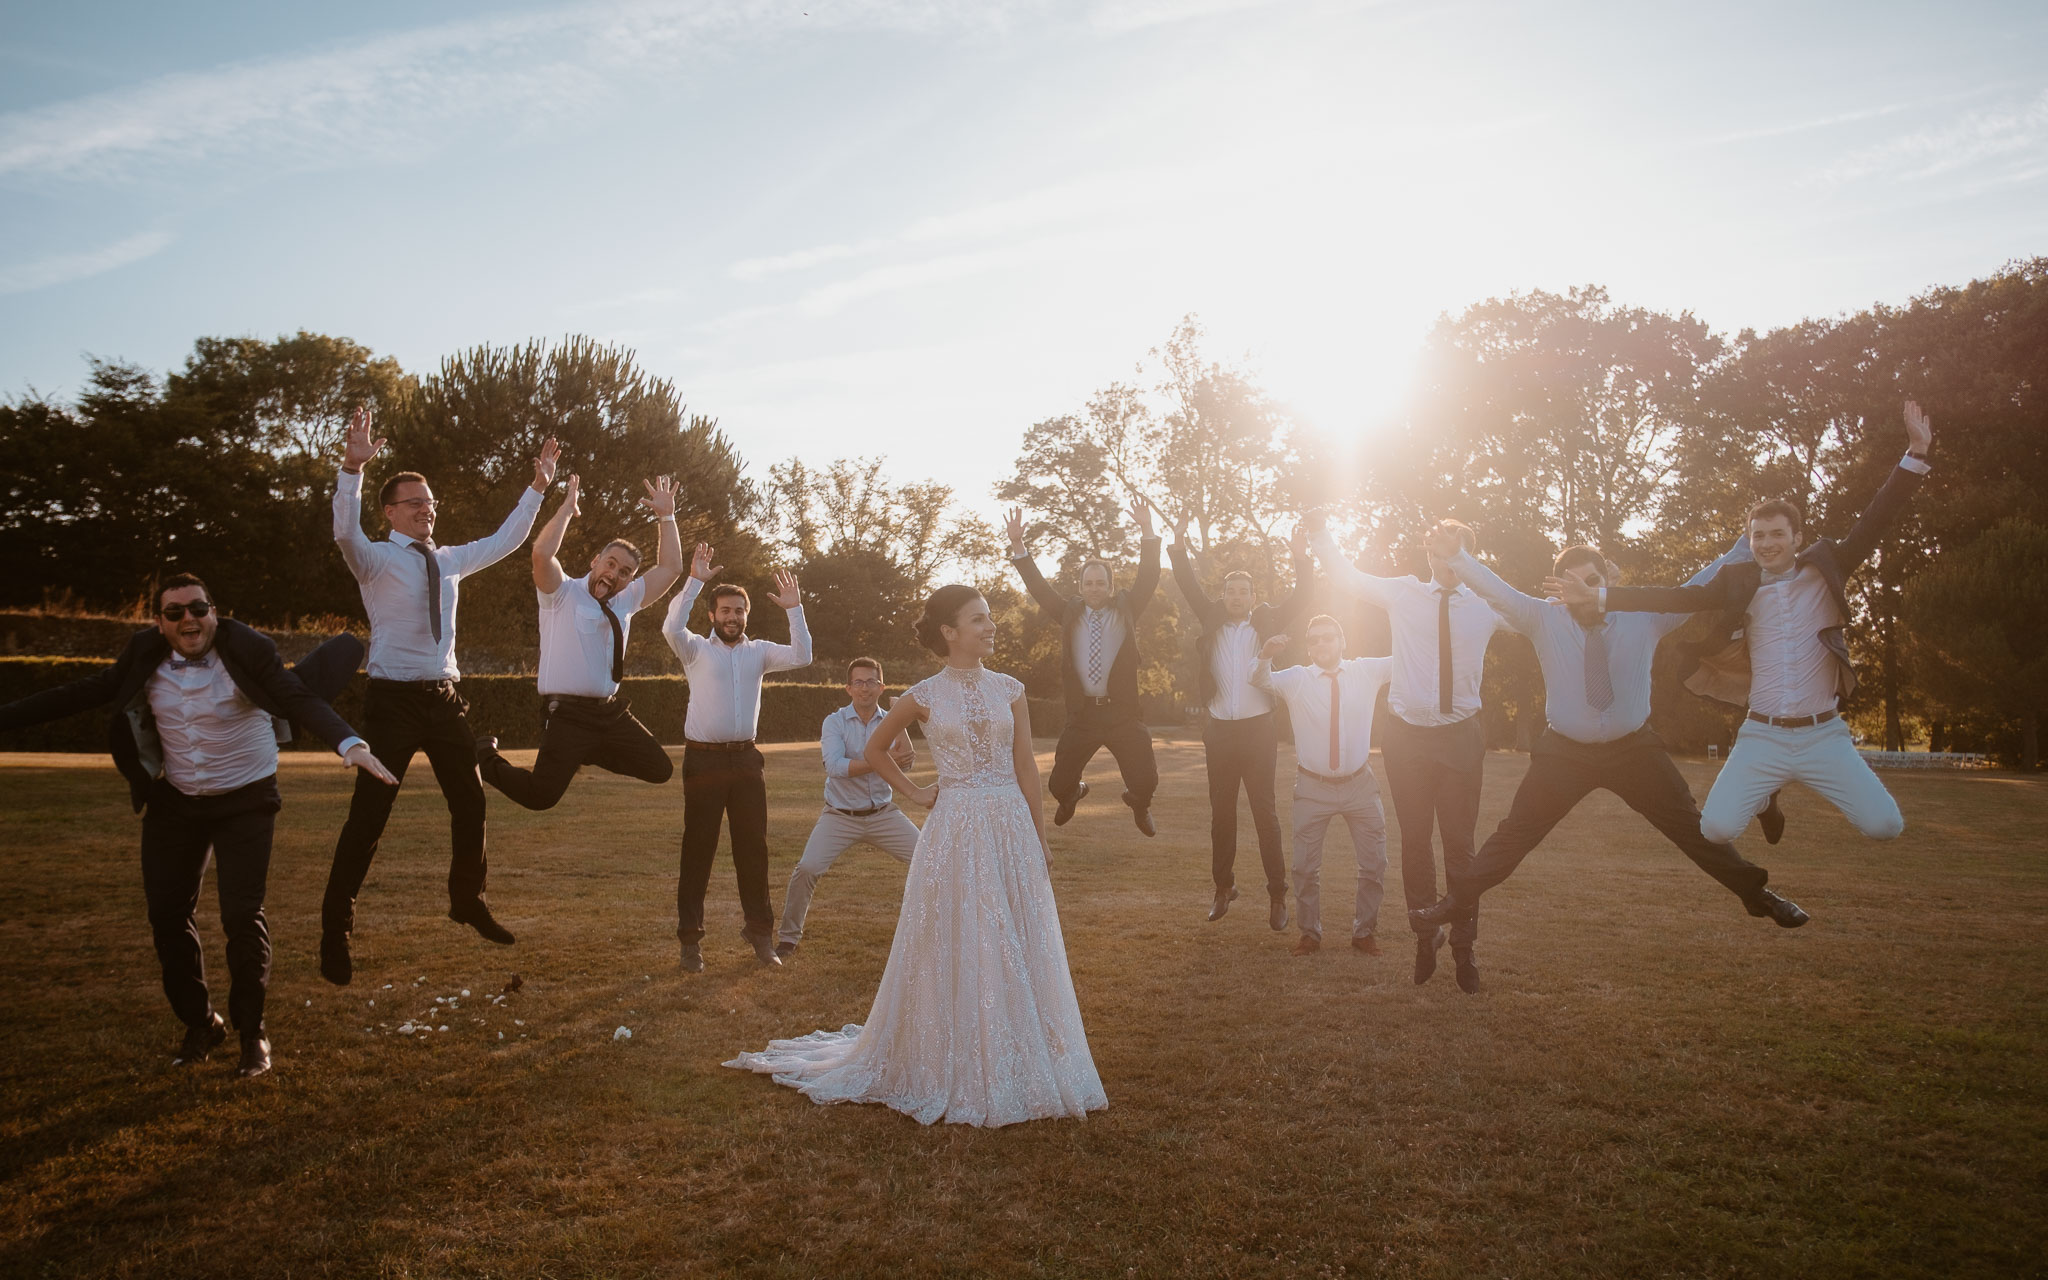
x=177, y=612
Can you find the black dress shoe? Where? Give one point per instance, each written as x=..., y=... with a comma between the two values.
x=691, y=957
x=1222, y=904
x=1468, y=970
x=1448, y=910
x=1066, y=809
x=335, y=963
x=764, y=948
x=486, y=747
x=478, y=917
x=1772, y=820
x=255, y=1057
x=201, y=1040
x=1782, y=911
x=1426, y=947
x=1142, y=815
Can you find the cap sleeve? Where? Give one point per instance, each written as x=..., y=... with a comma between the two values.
x=921, y=692
x=1010, y=685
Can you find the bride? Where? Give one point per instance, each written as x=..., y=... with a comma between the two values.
x=975, y=1021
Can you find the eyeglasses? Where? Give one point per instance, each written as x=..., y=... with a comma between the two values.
x=177, y=612
x=429, y=503
x=866, y=684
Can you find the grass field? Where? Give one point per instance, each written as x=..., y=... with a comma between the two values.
x=1651, y=1082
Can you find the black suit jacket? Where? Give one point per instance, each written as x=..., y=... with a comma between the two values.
x=1066, y=610
x=1719, y=664
x=1267, y=619
x=251, y=661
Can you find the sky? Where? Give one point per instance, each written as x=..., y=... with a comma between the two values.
x=914, y=228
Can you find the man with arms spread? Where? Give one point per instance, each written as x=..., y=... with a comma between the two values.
x=859, y=805
x=721, y=765
x=583, y=627
x=1779, y=648
x=1240, y=742
x=409, y=588
x=200, y=704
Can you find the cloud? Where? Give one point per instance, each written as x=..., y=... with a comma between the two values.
x=2015, y=137
x=78, y=266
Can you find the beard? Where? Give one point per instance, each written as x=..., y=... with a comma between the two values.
x=730, y=630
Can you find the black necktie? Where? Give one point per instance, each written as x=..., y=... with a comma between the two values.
x=618, y=642
x=1443, y=649
x=433, y=588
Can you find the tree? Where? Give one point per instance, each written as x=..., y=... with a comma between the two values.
x=1979, y=616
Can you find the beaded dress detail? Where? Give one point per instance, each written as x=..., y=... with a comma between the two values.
x=976, y=1020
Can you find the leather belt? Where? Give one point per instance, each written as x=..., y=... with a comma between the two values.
x=718, y=746
x=1097, y=702
x=1793, y=722
x=1333, y=781
x=869, y=812
x=442, y=683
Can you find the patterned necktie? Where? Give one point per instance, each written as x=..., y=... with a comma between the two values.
x=1599, y=680
x=1443, y=649
x=1096, y=619
x=1336, y=715
x=618, y=641
x=433, y=588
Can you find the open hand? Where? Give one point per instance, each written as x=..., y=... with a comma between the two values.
x=1013, y=524
x=569, y=498
x=1568, y=590
x=1919, y=429
x=359, y=448
x=1297, y=545
x=786, y=594
x=701, y=567
x=544, y=465
x=359, y=756
x=1274, y=647
x=1141, y=511
x=660, y=499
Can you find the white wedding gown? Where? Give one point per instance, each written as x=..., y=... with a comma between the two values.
x=975, y=1021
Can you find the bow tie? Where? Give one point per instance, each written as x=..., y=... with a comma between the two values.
x=1787, y=576
x=181, y=664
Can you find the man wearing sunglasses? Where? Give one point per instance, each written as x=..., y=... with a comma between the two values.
x=409, y=586
x=200, y=704
x=1596, y=683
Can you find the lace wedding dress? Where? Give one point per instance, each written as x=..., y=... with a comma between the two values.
x=975, y=1021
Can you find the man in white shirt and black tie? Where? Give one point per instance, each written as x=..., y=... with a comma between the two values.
x=584, y=623
x=201, y=703
x=859, y=805
x=1435, y=745
x=1330, y=703
x=721, y=766
x=409, y=587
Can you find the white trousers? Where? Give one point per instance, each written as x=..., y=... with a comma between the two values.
x=1357, y=801
x=1823, y=756
x=891, y=831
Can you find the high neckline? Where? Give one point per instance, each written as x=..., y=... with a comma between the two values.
x=963, y=673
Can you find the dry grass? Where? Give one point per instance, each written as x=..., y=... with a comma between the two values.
x=1652, y=1083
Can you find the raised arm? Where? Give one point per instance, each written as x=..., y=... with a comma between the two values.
x=357, y=448
x=1027, y=568
x=797, y=653
x=484, y=552
x=1263, y=675
x=1904, y=481
x=1148, y=557
x=1296, y=602
x=547, y=548
x=1342, y=574
x=668, y=559
x=1189, y=582
x=675, y=626
x=880, y=760
x=1523, y=612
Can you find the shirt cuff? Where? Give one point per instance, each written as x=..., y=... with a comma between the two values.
x=348, y=745
x=1918, y=466
x=350, y=478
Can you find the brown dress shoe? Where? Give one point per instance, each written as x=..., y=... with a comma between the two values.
x=1369, y=945
x=1222, y=903
x=1307, y=944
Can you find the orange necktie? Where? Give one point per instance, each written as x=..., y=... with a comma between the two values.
x=1336, y=709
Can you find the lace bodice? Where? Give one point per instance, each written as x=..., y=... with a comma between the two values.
x=970, y=729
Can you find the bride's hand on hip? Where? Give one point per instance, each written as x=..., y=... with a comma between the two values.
x=926, y=796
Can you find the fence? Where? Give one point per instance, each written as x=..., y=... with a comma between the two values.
x=1927, y=760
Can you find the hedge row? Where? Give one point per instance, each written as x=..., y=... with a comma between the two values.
x=507, y=706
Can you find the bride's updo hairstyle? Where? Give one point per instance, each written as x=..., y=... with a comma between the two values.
x=942, y=609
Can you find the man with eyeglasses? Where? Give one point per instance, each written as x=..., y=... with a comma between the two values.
x=859, y=806
x=200, y=704
x=409, y=587
x=583, y=627
x=1596, y=683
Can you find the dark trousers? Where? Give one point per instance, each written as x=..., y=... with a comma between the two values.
x=1090, y=728
x=716, y=785
x=580, y=732
x=1243, y=753
x=1639, y=770
x=178, y=831
x=399, y=720
x=1434, y=772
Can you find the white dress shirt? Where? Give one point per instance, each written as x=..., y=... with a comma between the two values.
x=576, y=637
x=1112, y=627
x=1231, y=660
x=1791, y=672
x=1412, y=606
x=214, y=738
x=393, y=580
x=725, y=679
x=844, y=738
x=1307, y=691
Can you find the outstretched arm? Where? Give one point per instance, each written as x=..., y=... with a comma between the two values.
x=481, y=554
x=547, y=548
x=668, y=560
x=1523, y=612
x=305, y=708
x=1027, y=568
x=1185, y=577
x=95, y=690
x=1885, y=509
x=357, y=449
x=1711, y=594
x=1668, y=623
x=882, y=761
x=1148, y=557
x=797, y=653
x=1342, y=574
